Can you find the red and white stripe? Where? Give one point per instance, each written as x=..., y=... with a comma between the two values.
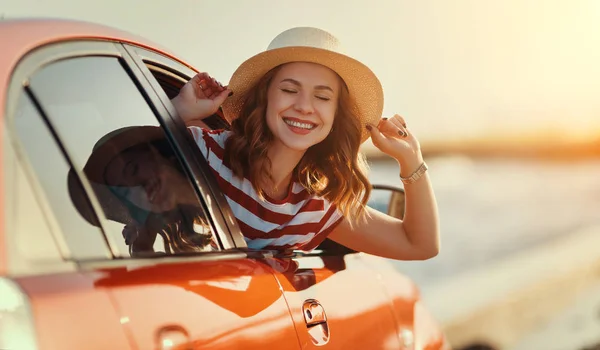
x=301, y=221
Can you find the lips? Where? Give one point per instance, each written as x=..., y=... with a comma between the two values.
x=152, y=188
x=300, y=124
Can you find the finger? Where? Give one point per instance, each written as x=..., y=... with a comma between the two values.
x=216, y=86
x=210, y=84
x=200, y=89
x=388, y=128
x=208, y=91
x=217, y=93
x=220, y=98
x=196, y=79
x=204, y=81
x=398, y=122
x=399, y=118
x=383, y=123
x=214, y=95
x=376, y=135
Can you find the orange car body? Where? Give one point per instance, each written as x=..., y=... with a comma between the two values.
x=226, y=299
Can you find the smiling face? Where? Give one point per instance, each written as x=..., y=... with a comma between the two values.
x=147, y=179
x=302, y=102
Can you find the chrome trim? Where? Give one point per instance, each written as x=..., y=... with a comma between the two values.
x=313, y=312
x=134, y=263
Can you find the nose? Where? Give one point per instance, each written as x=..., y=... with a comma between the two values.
x=303, y=103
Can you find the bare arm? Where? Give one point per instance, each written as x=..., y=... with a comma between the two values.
x=416, y=237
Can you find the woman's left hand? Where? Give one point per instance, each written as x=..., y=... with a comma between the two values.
x=393, y=137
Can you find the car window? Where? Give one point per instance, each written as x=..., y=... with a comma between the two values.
x=114, y=140
x=47, y=161
x=32, y=247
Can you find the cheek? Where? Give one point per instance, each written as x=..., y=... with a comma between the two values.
x=275, y=105
x=328, y=114
x=271, y=116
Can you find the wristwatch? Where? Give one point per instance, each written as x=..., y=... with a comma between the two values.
x=416, y=175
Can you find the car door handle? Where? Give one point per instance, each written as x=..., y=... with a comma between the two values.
x=172, y=336
x=316, y=322
x=314, y=313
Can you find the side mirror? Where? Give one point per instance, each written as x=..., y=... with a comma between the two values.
x=388, y=199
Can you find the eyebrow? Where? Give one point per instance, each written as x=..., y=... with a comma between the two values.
x=297, y=83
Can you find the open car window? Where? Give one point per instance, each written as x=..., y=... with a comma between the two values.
x=167, y=75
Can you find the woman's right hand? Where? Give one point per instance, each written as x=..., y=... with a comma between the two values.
x=200, y=97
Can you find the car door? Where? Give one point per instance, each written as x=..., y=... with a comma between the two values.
x=210, y=297
x=58, y=306
x=337, y=302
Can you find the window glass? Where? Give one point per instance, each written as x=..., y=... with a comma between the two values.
x=51, y=170
x=34, y=247
x=114, y=138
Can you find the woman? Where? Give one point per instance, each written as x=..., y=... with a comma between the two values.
x=290, y=165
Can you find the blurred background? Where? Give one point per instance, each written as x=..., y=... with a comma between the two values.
x=505, y=99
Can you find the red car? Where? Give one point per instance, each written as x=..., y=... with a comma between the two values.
x=69, y=278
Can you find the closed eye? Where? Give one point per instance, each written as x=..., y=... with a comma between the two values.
x=289, y=91
x=130, y=169
x=324, y=98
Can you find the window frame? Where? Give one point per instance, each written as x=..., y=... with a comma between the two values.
x=30, y=63
x=42, y=56
x=201, y=171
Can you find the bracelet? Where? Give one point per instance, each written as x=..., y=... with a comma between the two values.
x=416, y=175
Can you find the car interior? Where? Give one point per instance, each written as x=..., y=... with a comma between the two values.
x=172, y=82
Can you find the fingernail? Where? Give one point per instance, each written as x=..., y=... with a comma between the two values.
x=384, y=118
x=368, y=127
x=404, y=125
x=230, y=94
x=401, y=133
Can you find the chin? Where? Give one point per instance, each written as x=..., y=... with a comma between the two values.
x=301, y=145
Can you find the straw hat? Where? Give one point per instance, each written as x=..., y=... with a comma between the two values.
x=306, y=44
x=115, y=142
x=105, y=150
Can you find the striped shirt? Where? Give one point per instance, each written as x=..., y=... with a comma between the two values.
x=300, y=221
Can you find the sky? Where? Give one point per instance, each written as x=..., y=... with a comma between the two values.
x=453, y=69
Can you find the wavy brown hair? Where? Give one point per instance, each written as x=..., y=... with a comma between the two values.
x=333, y=169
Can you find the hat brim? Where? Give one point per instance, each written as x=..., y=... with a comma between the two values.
x=363, y=86
x=105, y=150
x=115, y=142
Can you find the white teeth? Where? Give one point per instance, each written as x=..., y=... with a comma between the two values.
x=153, y=192
x=299, y=124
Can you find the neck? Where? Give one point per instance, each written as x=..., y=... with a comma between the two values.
x=283, y=162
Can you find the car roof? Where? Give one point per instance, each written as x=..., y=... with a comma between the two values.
x=25, y=34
